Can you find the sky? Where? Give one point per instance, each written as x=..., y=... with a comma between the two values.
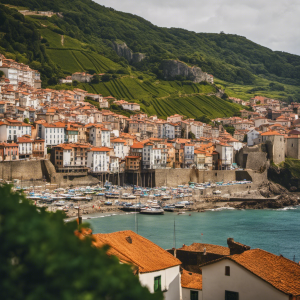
x=271, y=23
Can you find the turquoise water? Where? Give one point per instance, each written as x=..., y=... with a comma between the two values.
x=276, y=231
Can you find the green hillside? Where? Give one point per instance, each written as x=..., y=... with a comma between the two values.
x=81, y=37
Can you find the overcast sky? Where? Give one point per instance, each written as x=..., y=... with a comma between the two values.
x=271, y=23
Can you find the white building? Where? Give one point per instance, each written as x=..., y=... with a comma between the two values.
x=252, y=135
x=119, y=148
x=157, y=269
x=197, y=129
x=25, y=146
x=114, y=164
x=169, y=131
x=254, y=274
x=99, y=136
x=225, y=156
x=151, y=156
x=52, y=134
x=189, y=154
x=98, y=159
x=11, y=130
x=131, y=106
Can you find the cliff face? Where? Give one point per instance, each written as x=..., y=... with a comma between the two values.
x=124, y=51
x=172, y=68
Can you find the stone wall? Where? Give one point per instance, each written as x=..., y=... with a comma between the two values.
x=174, y=177
x=23, y=170
x=254, y=158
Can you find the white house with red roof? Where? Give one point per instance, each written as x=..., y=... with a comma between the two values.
x=10, y=130
x=156, y=269
x=254, y=274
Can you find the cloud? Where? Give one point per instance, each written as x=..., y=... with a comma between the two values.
x=270, y=23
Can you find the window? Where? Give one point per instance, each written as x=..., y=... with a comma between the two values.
x=157, y=284
x=231, y=295
x=194, y=295
x=227, y=271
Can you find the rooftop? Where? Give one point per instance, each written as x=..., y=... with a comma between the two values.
x=134, y=249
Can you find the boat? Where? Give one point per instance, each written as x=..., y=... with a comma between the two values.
x=169, y=208
x=107, y=203
x=152, y=211
x=78, y=198
x=167, y=197
x=179, y=205
x=128, y=196
x=112, y=195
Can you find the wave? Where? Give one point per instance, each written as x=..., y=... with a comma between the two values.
x=289, y=208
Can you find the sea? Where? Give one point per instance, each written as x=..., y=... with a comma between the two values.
x=276, y=231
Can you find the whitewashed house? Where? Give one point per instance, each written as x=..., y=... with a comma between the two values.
x=98, y=159
x=189, y=154
x=197, y=129
x=252, y=135
x=225, y=156
x=157, y=269
x=151, y=156
x=119, y=147
x=169, y=131
x=131, y=106
x=25, y=146
x=11, y=130
x=53, y=134
x=254, y=274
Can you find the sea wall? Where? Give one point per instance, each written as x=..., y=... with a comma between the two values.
x=174, y=177
x=23, y=170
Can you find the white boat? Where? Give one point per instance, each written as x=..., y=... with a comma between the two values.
x=167, y=197
x=152, y=211
x=179, y=205
x=78, y=198
x=128, y=196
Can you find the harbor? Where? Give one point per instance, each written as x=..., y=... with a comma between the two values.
x=102, y=198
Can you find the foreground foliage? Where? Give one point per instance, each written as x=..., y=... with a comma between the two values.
x=41, y=258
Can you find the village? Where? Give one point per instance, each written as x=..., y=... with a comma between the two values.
x=62, y=128
x=77, y=137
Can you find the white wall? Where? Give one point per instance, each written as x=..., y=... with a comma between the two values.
x=186, y=294
x=170, y=281
x=248, y=285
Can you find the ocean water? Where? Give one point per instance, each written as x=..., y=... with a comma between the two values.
x=276, y=231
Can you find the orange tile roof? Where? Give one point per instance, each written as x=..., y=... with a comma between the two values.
x=270, y=133
x=132, y=248
x=282, y=273
x=190, y=280
x=199, y=247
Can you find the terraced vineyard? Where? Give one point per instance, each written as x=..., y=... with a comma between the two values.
x=165, y=98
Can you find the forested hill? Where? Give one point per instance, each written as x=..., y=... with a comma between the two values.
x=228, y=57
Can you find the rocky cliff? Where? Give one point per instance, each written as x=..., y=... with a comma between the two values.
x=123, y=50
x=173, y=68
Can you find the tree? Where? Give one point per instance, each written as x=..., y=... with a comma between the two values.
x=41, y=258
x=26, y=120
x=106, y=77
x=191, y=135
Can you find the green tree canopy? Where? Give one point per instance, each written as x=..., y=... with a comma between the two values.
x=41, y=258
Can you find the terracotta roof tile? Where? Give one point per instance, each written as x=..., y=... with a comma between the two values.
x=132, y=248
x=190, y=280
x=199, y=247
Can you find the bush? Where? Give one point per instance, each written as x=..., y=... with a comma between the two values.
x=106, y=77
x=41, y=258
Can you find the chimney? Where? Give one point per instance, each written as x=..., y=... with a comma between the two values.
x=235, y=247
